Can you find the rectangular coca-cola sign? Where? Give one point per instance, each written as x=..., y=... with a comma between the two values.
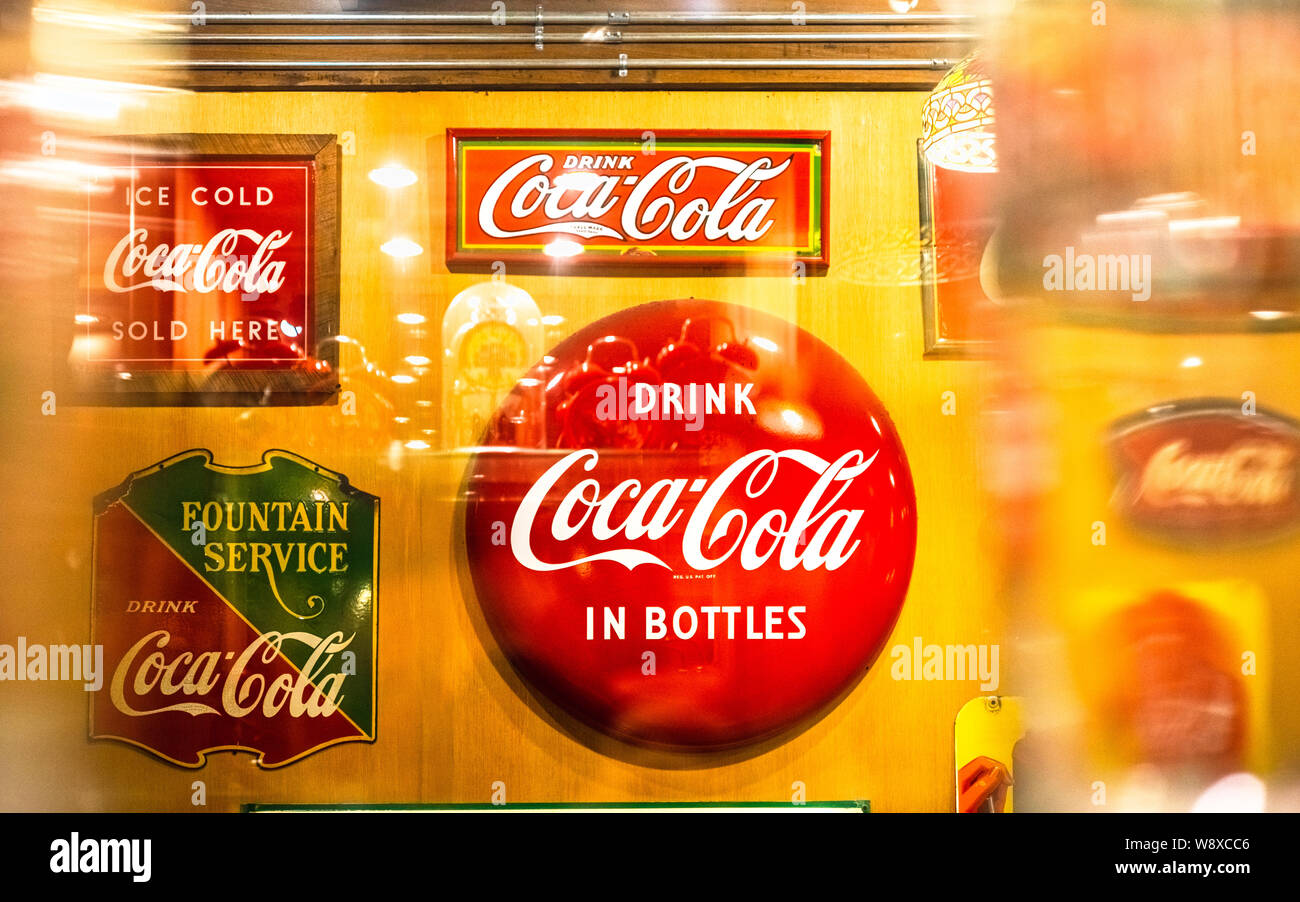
x=636, y=197
x=211, y=268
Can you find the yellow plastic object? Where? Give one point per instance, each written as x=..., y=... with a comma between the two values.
x=988, y=727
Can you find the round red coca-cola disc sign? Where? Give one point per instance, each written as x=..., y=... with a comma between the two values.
x=692, y=526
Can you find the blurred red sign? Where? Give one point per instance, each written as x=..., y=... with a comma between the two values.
x=1208, y=469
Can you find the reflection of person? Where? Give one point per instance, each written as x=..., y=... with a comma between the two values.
x=982, y=786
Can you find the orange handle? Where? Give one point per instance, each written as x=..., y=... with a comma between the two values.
x=982, y=786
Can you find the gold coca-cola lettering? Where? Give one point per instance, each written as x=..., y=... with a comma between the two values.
x=309, y=692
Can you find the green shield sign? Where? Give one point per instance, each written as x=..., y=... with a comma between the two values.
x=236, y=607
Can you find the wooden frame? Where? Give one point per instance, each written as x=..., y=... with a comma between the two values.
x=316, y=383
x=459, y=260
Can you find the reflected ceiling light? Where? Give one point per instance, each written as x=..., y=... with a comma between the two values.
x=1134, y=219
x=1269, y=314
x=61, y=175
x=418, y=360
x=401, y=247
x=793, y=421
x=562, y=247
x=402, y=420
x=957, y=119
x=85, y=319
x=1191, y=362
x=765, y=343
x=403, y=378
x=416, y=444
x=1172, y=202
x=78, y=99
x=1206, y=224
x=393, y=176
x=410, y=319
x=129, y=24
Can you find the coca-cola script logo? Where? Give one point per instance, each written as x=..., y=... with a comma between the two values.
x=191, y=264
x=634, y=197
x=135, y=263
x=692, y=589
x=236, y=609
x=1209, y=469
x=830, y=545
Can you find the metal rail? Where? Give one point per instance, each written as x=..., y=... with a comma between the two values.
x=603, y=36
x=544, y=18
x=614, y=64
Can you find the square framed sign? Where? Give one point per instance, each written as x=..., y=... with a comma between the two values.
x=211, y=272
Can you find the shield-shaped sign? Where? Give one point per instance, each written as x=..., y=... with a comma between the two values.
x=236, y=608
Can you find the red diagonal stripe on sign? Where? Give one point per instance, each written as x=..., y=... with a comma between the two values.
x=132, y=564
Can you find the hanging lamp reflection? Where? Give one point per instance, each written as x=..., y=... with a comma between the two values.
x=957, y=120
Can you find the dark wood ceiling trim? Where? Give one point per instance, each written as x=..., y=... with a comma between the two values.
x=574, y=45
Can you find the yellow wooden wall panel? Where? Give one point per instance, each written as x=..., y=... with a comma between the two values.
x=449, y=724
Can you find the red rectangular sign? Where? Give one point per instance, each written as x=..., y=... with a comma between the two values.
x=211, y=272
x=649, y=198
x=192, y=263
